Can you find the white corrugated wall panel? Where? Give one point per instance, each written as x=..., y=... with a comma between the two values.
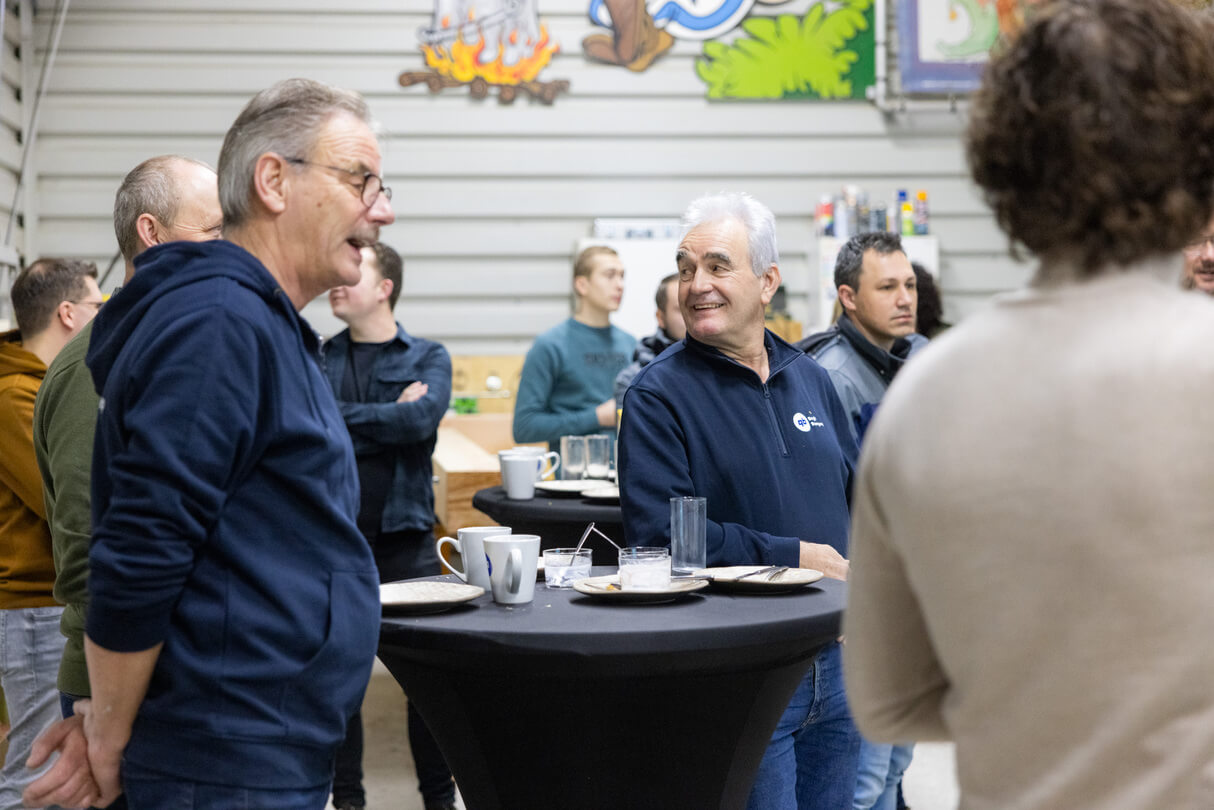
x=490, y=198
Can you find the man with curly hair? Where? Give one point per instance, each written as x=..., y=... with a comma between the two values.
x=1030, y=549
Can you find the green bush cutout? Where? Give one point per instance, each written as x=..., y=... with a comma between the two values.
x=821, y=56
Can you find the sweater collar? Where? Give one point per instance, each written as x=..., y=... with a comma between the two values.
x=779, y=354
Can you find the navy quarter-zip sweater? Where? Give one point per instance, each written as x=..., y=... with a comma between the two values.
x=224, y=497
x=775, y=460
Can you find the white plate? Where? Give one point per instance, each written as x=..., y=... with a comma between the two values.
x=788, y=580
x=568, y=487
x=608, y=588
x=601, y=493
x=427, y=596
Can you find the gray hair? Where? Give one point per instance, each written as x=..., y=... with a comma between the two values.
x=285, y=118
x=149, y=188
x=757, y=218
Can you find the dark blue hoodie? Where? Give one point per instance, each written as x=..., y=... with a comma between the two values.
x=224, y=504
x=774, y=459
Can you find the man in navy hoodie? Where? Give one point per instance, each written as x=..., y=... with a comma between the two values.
x=738, y=416
x=234, y=608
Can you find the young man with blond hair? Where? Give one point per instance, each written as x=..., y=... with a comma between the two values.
x=567, y=385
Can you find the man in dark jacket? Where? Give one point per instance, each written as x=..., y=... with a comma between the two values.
x=875, y=334
x=738, y=416
x=234, y=609
x=670, y=331
x=392, y=389
x=878, y=288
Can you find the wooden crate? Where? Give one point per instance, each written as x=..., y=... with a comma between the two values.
x=465, y=461
x=470, y=378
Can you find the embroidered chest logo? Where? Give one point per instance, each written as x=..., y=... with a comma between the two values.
x=805, y=422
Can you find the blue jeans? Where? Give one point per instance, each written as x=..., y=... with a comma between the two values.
x=810, y=763
x=30, y=648
x=881, y=769
x=149, y=790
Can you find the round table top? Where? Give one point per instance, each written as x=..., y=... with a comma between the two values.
x=544, y=507
x=566, y=623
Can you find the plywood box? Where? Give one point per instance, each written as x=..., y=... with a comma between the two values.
x=492, y=380
x=465, y=461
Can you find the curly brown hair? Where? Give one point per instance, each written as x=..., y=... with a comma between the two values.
x=1092, y=135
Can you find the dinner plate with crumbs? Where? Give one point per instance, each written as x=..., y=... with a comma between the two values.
x=733, y=578
x=608, y=589
x=425, y=596
x=567, y=488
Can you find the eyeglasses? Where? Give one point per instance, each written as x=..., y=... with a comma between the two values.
x=1199, y=244
x=89, y=303
x=370, y=187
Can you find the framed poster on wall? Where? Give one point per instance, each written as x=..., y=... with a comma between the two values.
x=942, y=49
x=943, y=45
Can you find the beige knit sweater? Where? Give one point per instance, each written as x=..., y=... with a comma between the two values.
x=1033, y=550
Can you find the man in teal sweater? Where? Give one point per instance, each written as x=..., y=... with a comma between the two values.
x=569, y=374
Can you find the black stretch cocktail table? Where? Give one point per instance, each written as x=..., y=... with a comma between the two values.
x=572, y=704
x=559, y=520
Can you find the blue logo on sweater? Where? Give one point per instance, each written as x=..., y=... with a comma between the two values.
x=806, y=422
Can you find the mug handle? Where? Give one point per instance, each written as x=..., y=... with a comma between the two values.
x=514, y=570
x=438, y=547
x=555, y=459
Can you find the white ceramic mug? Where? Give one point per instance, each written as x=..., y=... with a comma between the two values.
x=470, y=546
x=546, y=461
x=518, y=476
x=512, y=565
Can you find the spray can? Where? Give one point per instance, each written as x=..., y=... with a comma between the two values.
x=906, y=219
x=842, y=225
x=824, y=216
x=920, y=214
x=880, y=218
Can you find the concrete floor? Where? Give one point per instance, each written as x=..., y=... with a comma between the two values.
x=391, y=783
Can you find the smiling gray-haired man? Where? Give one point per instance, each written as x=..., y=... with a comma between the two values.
x=777, y=490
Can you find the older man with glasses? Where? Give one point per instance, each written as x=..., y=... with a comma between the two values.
x=234, y=604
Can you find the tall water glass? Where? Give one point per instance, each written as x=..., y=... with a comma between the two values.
x=688, y=535
x=598, y=456
x=573, y=457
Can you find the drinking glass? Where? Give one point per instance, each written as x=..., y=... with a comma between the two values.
x=564, y=566
x=644, y=568
x=573, y=457
x=598, y=456
x=688, y=535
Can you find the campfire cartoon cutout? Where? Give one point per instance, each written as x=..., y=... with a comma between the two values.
x=497, y=44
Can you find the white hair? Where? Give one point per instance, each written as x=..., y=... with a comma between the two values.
x=756, y=217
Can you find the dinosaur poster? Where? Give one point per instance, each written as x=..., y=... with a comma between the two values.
x=945, y=43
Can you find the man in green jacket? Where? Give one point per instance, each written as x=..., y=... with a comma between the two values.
x=163, y=199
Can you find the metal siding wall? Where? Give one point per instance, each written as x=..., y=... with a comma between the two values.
x=12, y=116
x=490, y=198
